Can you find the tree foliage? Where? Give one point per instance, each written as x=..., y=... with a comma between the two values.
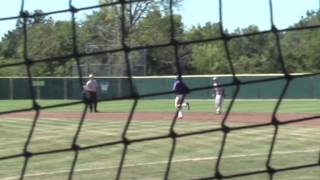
x=148, y=23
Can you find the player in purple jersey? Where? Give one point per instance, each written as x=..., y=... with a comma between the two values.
x=181, y=90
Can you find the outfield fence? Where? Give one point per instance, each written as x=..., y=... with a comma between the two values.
x=270, y=87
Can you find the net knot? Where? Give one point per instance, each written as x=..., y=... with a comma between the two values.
x=174, y=42
x=271, y=170
x=76, y=147
x=289, y=77
x=225, y=36
x=173, y=134
x=274, y=29
x=218, y=175
x=76, y=52
x=73, y=9
x=135, y=95
x=24, y=14
x=36, y=106
x=236, y=81
x=28, y=62
x=226, y=129
x=126, y=48
x=27, y=154
x=275, y=121
x=126, y=141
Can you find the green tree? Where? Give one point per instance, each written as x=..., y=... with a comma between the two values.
x=9, y=44
x=301, y=48
x=48, y=40
x=209, y=59
x=145, y=25
x=206, y=57
x=255, y=53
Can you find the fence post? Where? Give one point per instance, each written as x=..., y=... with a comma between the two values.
x=11, y=88
x=38, y=88
x=65, y=88
x=119, y=87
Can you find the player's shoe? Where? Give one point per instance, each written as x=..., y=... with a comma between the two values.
x=188, y=105
x=180, y=116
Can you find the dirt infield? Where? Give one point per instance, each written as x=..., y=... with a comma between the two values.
x=253, y=118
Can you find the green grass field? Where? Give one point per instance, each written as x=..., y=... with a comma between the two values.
x=195, y=156
x=287, y=106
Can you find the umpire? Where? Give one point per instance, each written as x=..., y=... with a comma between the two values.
x=91, y=87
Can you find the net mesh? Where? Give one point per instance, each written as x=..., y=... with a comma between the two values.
x=173, y=136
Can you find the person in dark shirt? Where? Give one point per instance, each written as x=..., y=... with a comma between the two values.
x=180, y=89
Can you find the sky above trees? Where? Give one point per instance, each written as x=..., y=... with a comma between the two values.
x=236, y=13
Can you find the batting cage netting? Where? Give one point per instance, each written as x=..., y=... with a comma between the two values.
x=119, y=39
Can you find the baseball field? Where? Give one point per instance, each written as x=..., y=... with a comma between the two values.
x=198, y=149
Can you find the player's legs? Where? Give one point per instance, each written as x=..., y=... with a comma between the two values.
x=218, y=102
x=95, y=101
x=90, y=106
x=96, y=106
x=87, y=98
x=180, y=115
x=185, y=104
x=178, y=105
x=179, y=102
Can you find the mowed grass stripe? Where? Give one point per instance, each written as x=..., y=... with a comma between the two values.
x=206, y=105
x=244, y=142
x=161, y=162
x=52, y=129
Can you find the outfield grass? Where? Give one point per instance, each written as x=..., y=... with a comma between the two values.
x=195, y=156
x=287, y=106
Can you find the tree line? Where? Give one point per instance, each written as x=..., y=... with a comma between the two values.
x=149, y=24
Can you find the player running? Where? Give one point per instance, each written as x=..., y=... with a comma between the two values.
x=181, y=90
x=218, y=93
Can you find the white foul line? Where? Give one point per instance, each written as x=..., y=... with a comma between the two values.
x=161, y=162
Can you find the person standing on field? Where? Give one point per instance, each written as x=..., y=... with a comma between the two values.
x=91, y=87
x=218, y=93
x=181, y=90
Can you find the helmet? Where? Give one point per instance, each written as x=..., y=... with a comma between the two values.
x=214, y=78
x=90, y=75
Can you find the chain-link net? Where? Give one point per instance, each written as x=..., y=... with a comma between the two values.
x=124, y=48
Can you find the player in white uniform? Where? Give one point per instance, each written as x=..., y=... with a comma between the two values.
x=218, y=93
x=91, y=88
